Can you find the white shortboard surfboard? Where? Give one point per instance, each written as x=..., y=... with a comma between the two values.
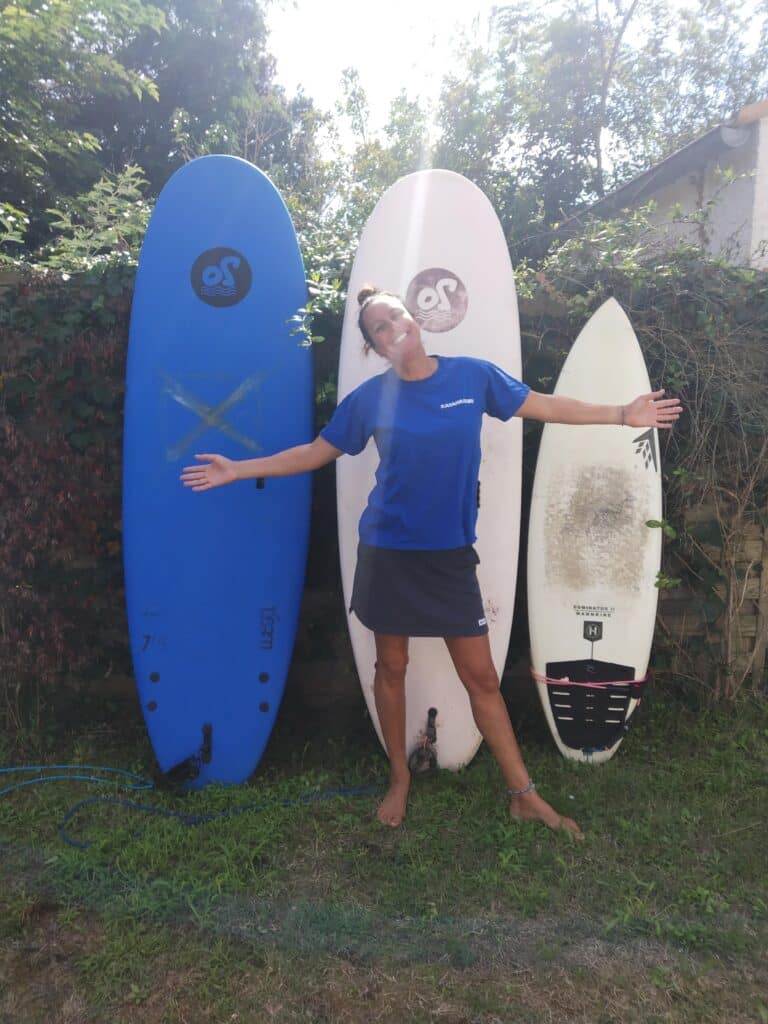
x=435, y=240
x=592, y=560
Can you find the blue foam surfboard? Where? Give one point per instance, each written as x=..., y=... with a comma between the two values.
x=214, y=579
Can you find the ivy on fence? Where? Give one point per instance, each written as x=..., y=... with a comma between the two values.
x=702, y=325
x=63, y=357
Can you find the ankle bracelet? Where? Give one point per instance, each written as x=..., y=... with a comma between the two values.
x=530, y=788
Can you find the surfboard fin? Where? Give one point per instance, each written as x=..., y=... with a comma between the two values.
x=424, y=756
x=189, y=769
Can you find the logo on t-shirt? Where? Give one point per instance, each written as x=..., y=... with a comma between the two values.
x=459, y=401
x=437, y=300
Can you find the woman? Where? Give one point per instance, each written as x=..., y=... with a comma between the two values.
x=416, y=570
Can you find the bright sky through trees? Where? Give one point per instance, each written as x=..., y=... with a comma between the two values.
x=400, y=44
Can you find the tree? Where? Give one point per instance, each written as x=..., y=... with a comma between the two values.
x=472, y=119
x=364, y=172
x=118, y=83
x=561, y=106
x=54, y=59
x=215, y=92
x=407, y=134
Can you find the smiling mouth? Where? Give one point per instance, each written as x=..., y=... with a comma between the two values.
x=400, y=338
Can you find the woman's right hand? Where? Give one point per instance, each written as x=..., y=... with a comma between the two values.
x=218, y=470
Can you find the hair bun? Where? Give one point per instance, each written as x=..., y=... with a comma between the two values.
x=367, y=292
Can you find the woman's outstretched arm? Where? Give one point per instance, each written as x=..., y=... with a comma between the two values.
x=217, y=470
x=649, y=410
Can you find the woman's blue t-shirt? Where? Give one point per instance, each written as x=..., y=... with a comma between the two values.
x=428, y=437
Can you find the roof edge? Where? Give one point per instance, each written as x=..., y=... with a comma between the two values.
x=707, y=147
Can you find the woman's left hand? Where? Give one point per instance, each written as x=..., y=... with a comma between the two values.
x=652, y=411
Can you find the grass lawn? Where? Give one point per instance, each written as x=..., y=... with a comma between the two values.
x=310, y=911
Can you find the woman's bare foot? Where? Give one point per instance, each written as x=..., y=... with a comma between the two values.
x=391, y=810
x=531, y=807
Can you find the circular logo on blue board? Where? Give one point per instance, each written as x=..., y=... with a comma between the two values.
x=437, y=300
x=221, y=277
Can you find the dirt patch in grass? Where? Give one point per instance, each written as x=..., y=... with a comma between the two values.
x=493, y=942
x=543, y=971
x=38, y=967
x=340, y=993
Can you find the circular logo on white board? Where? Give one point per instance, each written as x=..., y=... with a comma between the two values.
x=437, y=300
x=221, y=277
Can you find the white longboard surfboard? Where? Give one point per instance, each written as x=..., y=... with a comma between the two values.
x=592, y=560
x=434, y=239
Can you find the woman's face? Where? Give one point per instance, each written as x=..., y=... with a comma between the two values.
x=391, y=327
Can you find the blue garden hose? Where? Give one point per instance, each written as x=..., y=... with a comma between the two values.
x=139, y=782
x=202, y=819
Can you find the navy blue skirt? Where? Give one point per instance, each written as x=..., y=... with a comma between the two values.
x=418, y=593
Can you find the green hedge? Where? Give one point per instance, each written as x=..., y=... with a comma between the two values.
x=703, y=327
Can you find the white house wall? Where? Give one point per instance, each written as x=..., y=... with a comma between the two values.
x=760, y=218
x=728, y=231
